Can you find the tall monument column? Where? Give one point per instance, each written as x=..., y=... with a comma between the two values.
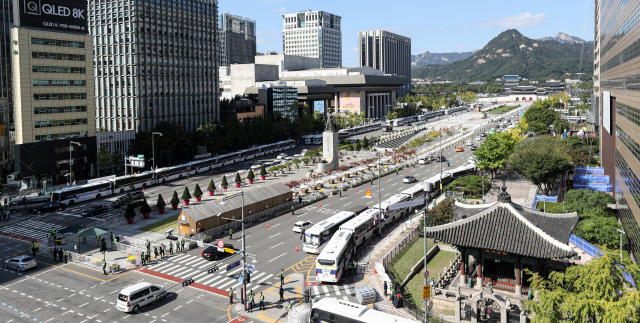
x=330, y=142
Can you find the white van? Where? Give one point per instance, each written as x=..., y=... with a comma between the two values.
x=423, y=160
x=134, y=297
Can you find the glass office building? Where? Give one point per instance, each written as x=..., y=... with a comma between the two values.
x=155, y=61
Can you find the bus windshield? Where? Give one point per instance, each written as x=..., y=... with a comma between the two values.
x=312, y=240
x=55, y=197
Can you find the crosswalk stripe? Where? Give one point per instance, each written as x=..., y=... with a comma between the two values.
x=178, y=257
x=189, y=260
x=337, y=290
x=210, y=280
x=346, y=298
x=346, y=289
x=206, y=264
x=163, y=265
x=258, y=275
x=186, y=273
x=325, y=289
x=201, y=274
x=223, y=285
x=198, y=261
x=263, y=279
x=234, y=271
x=170, y=268
x=315, y=290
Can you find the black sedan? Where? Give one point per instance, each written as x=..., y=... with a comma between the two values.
x=51, y=207
x=212, y=253
x=441, y=159
x=473, y=147
x=95, y=210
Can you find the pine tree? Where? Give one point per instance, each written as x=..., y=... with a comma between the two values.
x=197, y=192
x=174, y=198
x=263, y=172
x=238, y=180
x=186, y=195
x=129, y=213
x=160, y=203
x=251, y=175
x=144, y=209
x=211, y=187
x=224, y=183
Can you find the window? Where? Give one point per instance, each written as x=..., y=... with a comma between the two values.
x=60, y=96
x=59, y=43
x=58, y=56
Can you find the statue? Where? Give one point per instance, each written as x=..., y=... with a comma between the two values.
x=504, y=197
x=329, y=126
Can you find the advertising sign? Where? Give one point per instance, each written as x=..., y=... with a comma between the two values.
x=58, y=15
x=606, y=110
x=350, y=101
x=318, y=106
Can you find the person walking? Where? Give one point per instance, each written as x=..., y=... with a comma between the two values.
x=293, y=210
x=281, y=294
x=288, y=308
x=250, y=303
x=55, y=254
x=230, y=234
x=230, y=295
x=148, y=245
x=60, y=254
x=261, y=301
x=384, y=288
x=252, y=294
x=155, y=253
x=182, y=244
x=66, y=256
x=282, y=277
x=104, y=267
x=33, y=248
x=171, y=248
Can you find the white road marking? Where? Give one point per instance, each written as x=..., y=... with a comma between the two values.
x=277, y=257
x=274, y=235
x=277, y=245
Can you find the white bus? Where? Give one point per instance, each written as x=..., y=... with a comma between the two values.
x=170, y=173
x=413, y=193
x=331, y=310
x=32, y=202
x=74, y=194
x=122, y=184
x=320, y=233
x=362, y=226
x=335, y=257
x=393, y=215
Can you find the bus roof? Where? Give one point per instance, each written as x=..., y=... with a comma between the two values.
x=356, y=222
x=327, y=223
x=335, y=245
x=413, y=190
x=73, y=188
x=392, y=200
x=357, y=209
x=357, y=312
x=371, y=212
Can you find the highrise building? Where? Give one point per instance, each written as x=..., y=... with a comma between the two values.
x=617, y=96
x=155, y=61
x=387, y=52
x=237, y=40
x=53, y=93
x=6, y=93
x=313, y=34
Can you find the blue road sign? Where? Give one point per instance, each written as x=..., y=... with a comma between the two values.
x=233, y=265
x=240, y=280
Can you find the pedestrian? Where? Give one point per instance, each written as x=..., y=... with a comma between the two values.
x=148, y=254
x=162, y=248
x=393, y=291
x=281, y=294
x=261, y=301
x=288, y=308
x=66, y=256
x=60, y=254
x=142, y=258
x=55, y=254
x=48, y=237
x=252, y=294
x=104, y=267
x=171, y=248
x=148, y=244
x=250, y=303
x=33, y=248
x=182, y=243
x=299, y=199
x=230, y=295
x=292, y=210
x=340, y=192
x=384, y=288
x=355, y=268
x=372, y=182
x=230, y=234
x=282, y=277
x=155, y=253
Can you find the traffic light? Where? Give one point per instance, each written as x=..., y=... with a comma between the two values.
x=187, y=282
x=212, y=269
x=248, y=278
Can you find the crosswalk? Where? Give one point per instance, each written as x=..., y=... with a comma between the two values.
x=339, y=291
x=77, y=210
x=32, y=229
x=185, y=265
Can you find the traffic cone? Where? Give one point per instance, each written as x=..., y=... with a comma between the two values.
x=375, y=271
x=267, y=225
x=296, y=248
x=143, y=189
x=320, y=205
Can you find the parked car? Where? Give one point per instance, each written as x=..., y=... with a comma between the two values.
x=440, y=159
x=51, y=207
x=20, y=263
x=409, y=179
x=95, y=210
x=212, y=252
x=282, y=156
x=136, y=195
x=302, y=225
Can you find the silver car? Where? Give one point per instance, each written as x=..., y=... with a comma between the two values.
x=20, y=263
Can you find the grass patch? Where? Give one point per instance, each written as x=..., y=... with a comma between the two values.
x=166, y=224
x=501, y=110
x=435, y=266
x=409, y=258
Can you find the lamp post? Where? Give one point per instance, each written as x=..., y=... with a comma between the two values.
x=71, y=143
x=244, y=255
x=621, y=233
x=153, y=148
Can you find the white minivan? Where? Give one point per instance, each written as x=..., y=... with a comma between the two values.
x=134, y=297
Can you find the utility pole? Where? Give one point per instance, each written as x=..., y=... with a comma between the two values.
x=244, y=253
x=153, y=148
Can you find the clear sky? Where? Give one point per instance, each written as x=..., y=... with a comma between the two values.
x=435, y=26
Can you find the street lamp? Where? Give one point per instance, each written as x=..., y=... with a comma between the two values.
x=244, y=254
x=621, y=233
x=71, y=143
x=153, y=148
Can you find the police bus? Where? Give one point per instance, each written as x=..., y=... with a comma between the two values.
x=121, y=184
x=74, y=194
x=32, y=202
x=335, y=257
x=331, y=310
x=362, y=227
x=321, y=232
x=392, y=215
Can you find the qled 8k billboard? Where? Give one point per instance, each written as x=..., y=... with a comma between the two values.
x=57, y=15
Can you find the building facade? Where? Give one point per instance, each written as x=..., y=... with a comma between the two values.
x=617, y=73
x=387, y=52
x=53, y=96
x=154, y=62
x=237, y=40
x=313, y=34
x=6, y=93
x=279, y=98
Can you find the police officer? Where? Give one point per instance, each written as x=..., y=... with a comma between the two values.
x=252, y=294
x=288, y=308
x=355, y=268
x=182, y=243
x=230, y=234
x=48, y=237
x=281, y=294
x=148, y=244
x=250, y=303
x=293, y=210
x=55, y=254
x=261, y=301
x=33, y=248
x=393, y=291
x=282, y=277
x=171, y=248
x=148, y=255
x=66, y=256
x=349, y=269
x=230, y=295
x=104, y=267
x=142, y=257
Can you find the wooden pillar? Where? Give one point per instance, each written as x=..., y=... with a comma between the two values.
x=518, y=276
x=463, y=276
x=479, y=283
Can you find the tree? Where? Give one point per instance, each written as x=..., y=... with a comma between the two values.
x=129, y=213
x=588, y=203
x=185, y=194
x=116, y=156
x=238, y=180
x=495, y=150
x=541, y=161
x=595, y=292
x=560, y=125
x=104, y=156
x=160, y=204
x=365, y=142
x=197, y=192
x=251, y=175
x=468, y=97
x=224, y=183
x=174, y=198
x=211, y=187
x=585, y=97
x=600, y=231
x=442, y=213
x=145, y=209
x=539, y=116
x=263, y=172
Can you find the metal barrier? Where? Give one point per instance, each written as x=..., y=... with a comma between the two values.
x=129, y=249
x=392, y=311
x=87, y=261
